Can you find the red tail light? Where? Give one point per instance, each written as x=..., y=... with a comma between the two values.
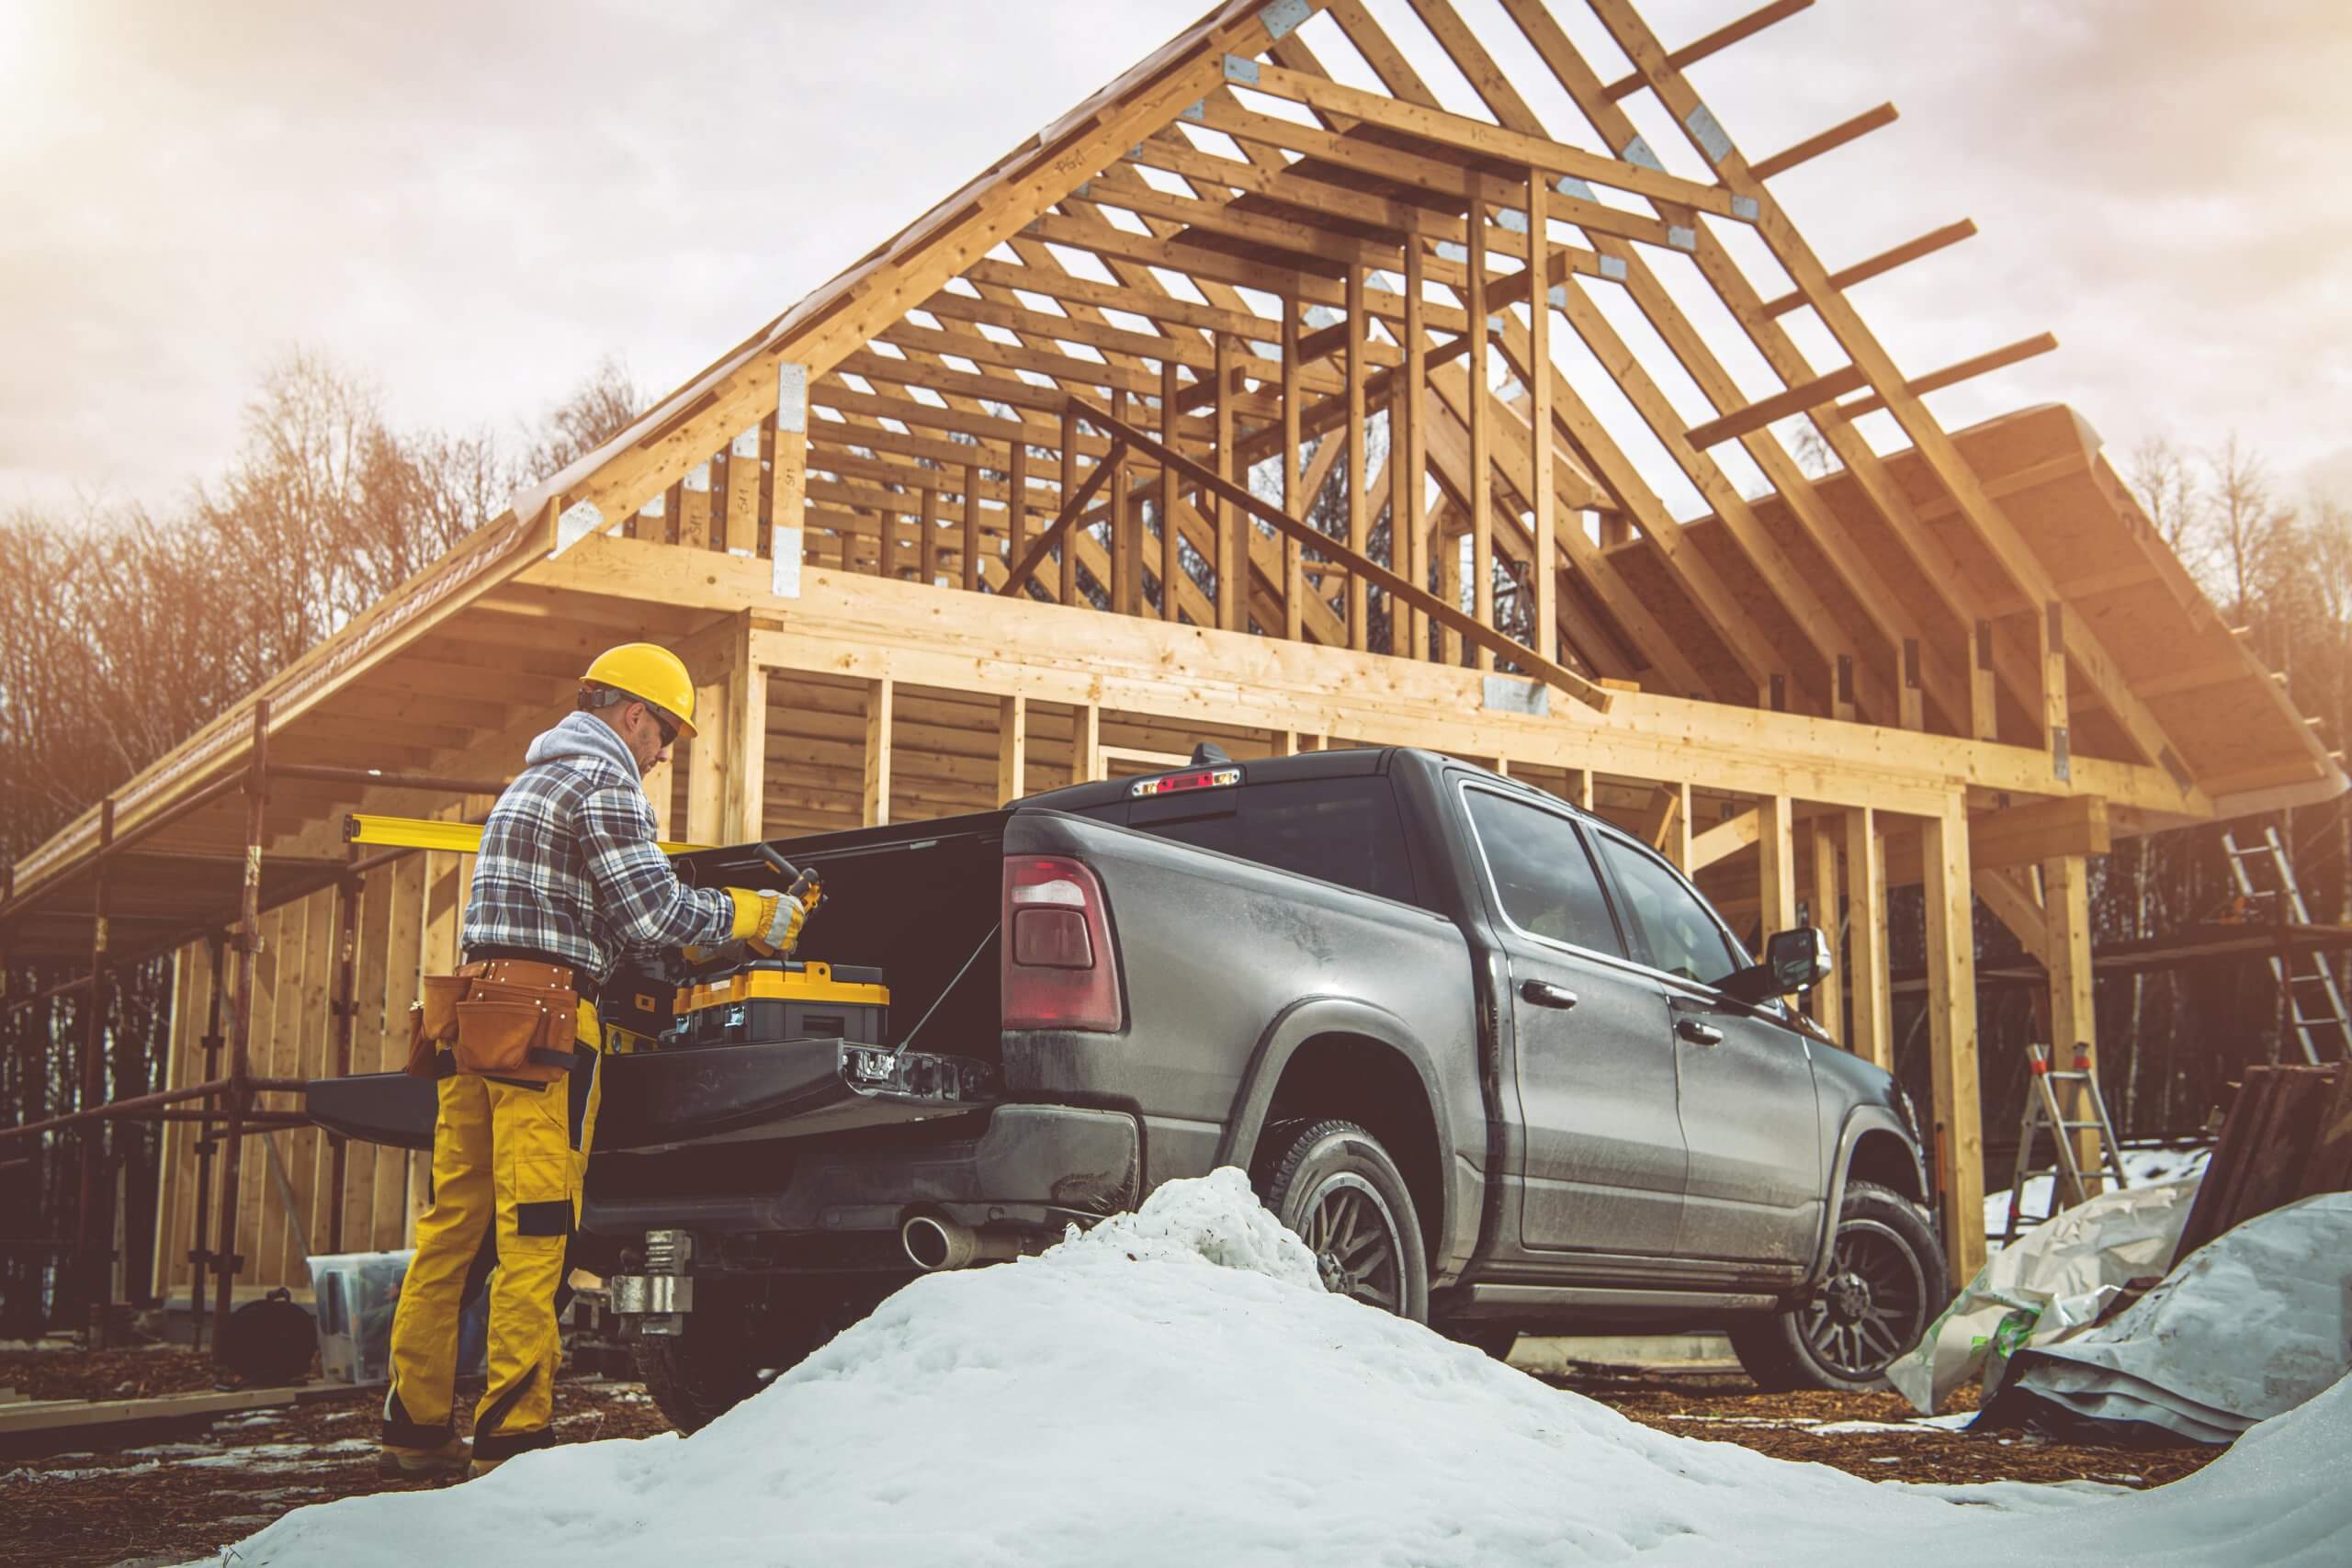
x=1057, y=969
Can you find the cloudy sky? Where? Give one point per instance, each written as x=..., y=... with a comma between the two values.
x=473, y=202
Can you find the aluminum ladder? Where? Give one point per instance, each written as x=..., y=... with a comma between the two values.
x=2043, y=1112
x=2311, y=1009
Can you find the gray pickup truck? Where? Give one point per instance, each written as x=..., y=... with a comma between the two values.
x=1499, y=1064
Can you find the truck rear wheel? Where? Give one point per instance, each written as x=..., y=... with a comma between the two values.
x=733, y=1349
x=1886, y=1286
x=1336, y=1189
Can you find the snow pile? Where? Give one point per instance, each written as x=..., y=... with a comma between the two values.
x=1174, y=1388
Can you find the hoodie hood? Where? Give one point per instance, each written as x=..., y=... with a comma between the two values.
x=583, y=735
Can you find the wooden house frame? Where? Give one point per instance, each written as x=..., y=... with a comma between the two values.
x=1112, y=373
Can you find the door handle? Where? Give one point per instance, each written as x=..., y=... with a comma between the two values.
x=1544, y=994
x=1698, y=1033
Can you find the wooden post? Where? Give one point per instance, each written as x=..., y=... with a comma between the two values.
x=694, y=508
x=1070, y=488
x=740, y=526
x=1232, y=547
x=345, y=1007
x=1539, y=418
x=1294, y=502
x=1449, y=581
x=707, y=768
x=1016, y=521
x=1872, y=1035
x=94, y=1241
x=2074, y=1023
x=1482, y=457
x=1411, y=391
x=226, y=1260
x=1125, y=533
x=745, y=816
x=1983, y=714
x=1011, y=748
x=1171, y=537
x=789, y=477
x=2052, y=622
x=1828, y=1007
x=971, y=528
x=1913, y=713
x=1958, y=1117
x=1775, y=869
x=1085, y=743
x=874, y=802
x=927, y=540
x=1358, y=515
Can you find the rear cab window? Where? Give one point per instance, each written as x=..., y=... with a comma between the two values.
x=1346, y=830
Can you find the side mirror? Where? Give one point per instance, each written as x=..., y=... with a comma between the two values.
x=1794, y=960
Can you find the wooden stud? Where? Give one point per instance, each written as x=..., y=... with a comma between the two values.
x=1295, y=499
x=707, y=768
x=1984, y=694
x=873, y=809
x=1872, y=1035
x=1171, y=532
x=694, y=508
x=1414, y=395
x=1776, y=869
x=971, y=547
x=927, y=546
x=1823, y=895
x=1068, y=594
x=1482, y=462
x=1012, y=747
x=1232, y=547
x=743, y=819
x=1017, y=489
x=1086, y=743
x=1545, y=499
x=1359, y=511
x=1959, y=1136
x=2074, y=1016
x=739, y=530
x=2051, y=625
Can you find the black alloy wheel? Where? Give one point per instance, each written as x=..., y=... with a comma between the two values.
x=1872, y=1307
x=1334, y=1186
x=1355, y=1242
x=1884, y=1286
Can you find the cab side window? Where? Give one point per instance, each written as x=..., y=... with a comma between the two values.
x=1682, y=936
x=1542, y=874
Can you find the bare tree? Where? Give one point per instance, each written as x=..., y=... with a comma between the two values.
x=2165, y=485
x=2246, y=520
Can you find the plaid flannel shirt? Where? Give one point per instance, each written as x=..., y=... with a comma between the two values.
x=569, y=865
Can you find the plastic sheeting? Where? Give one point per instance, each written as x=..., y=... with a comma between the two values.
x=2055, y=1280
x=2252, y=1325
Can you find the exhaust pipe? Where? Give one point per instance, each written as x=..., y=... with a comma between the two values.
x=935, y=1243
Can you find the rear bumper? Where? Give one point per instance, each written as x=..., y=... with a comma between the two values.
x=1028, y=1165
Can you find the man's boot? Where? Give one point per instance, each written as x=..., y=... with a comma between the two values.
x=396, y=1463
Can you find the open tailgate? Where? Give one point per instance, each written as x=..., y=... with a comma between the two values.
x=787, y=1088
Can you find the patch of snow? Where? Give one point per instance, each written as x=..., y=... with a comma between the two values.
x=28, y=1474
x=2141, y=1166
x=1175, y=1388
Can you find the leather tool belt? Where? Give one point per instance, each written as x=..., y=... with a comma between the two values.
x=506, y=1018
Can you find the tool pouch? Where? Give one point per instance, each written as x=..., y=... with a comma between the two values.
x=512, y=1023
x=433, y=1021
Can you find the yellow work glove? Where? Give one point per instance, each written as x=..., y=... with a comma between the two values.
x=769, y=920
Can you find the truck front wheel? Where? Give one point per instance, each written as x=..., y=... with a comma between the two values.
x=1886, y=1286
x=1333, y=1186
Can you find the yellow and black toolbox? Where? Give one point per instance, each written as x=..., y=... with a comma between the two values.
x=784, y=998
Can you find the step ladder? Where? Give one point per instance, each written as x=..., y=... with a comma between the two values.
x=2313, y=1012
x=2043, y=1112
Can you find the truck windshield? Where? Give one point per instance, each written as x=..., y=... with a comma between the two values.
x=1344, y=831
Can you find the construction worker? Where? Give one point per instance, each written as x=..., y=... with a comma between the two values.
x=569, y=880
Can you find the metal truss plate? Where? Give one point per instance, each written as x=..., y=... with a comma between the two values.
x=1239, y=70
x=1708, y=132
x=1283, y=18
x=1637, y=152
x=791, y=396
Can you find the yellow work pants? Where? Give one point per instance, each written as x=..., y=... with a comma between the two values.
x=508, y=1159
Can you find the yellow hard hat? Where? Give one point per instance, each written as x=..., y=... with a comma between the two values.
x=650, y=674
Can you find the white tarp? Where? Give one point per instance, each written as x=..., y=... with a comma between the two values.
x=2056, y=1279
x=2248, y=1327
